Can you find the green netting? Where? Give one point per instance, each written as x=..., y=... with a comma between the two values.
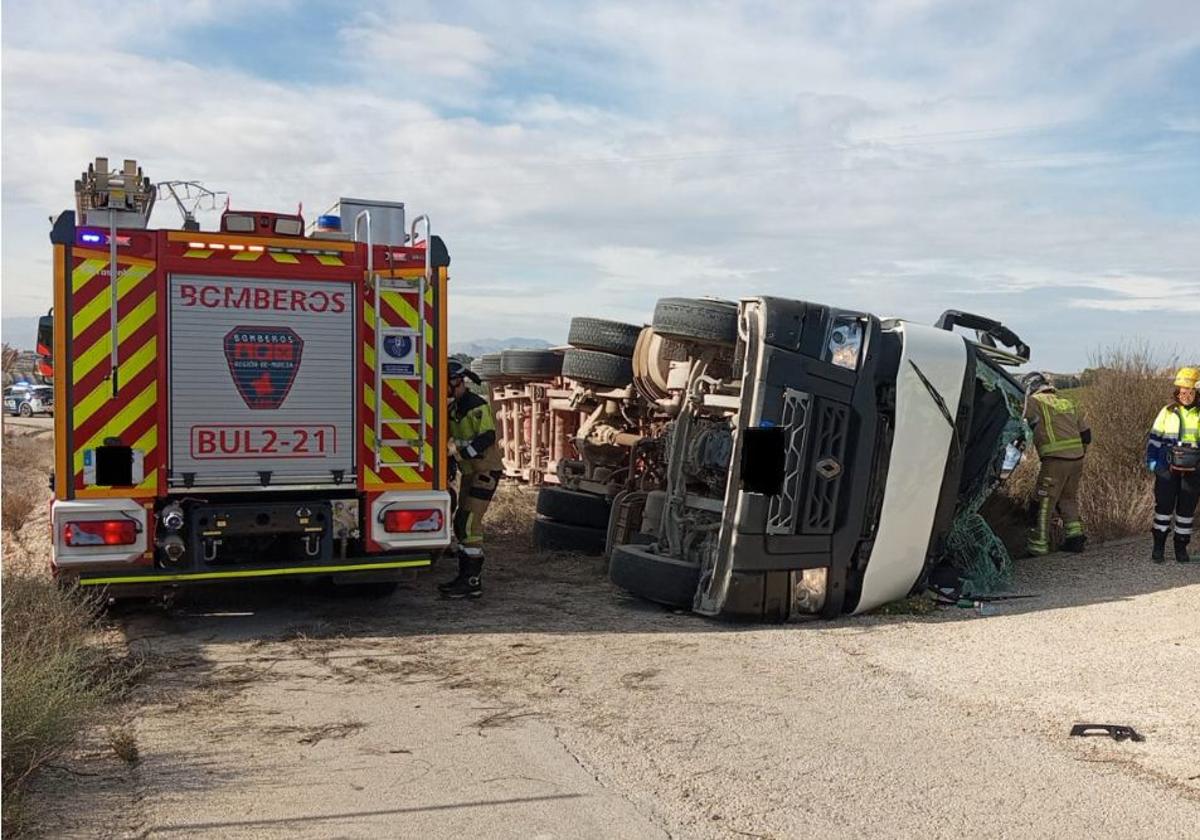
x=972, y=547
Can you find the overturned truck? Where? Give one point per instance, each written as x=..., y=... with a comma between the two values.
x=817, y=461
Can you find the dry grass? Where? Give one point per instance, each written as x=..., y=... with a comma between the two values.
x=57, y=676
x=28, y=461
x=508, y=524
x=123, y=742
x=1116, y=495
x=18, y=504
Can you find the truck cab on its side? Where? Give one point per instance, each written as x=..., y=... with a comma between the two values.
x=816, y=459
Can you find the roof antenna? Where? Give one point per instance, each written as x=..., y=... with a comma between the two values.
x=189, y=197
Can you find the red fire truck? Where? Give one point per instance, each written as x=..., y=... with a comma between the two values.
x=252, y=402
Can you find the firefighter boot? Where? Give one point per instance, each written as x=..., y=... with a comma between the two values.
x=446, y=586
x=470, y=585
x=1181, y=552
x=1160, y=547
x=1075, y=544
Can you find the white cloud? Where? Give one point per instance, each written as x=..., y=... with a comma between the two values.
x=411, y=53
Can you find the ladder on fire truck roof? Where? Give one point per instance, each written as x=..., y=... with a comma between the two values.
x=386, y=448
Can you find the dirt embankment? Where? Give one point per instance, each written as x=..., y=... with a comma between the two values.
x=558, y=707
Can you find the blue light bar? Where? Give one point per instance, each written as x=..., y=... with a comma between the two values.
x=90, y=238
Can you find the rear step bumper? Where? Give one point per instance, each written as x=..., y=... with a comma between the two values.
x=373, y=569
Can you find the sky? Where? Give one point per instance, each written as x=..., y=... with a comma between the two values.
x=1038, y=163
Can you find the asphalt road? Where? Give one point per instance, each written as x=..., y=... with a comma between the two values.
x=560, y=708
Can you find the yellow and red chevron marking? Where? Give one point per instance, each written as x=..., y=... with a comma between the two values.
x=402, y=399
x=265, y=256
x=96, y=414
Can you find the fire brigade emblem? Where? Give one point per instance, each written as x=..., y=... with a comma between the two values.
x=263, y=362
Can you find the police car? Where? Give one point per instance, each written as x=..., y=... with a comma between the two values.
x=27, y=400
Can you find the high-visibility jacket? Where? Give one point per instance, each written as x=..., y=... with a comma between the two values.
x=1176, y=425
x=473, y=428
x=1059, y=429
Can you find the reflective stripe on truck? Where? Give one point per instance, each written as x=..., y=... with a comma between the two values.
x=257, y=573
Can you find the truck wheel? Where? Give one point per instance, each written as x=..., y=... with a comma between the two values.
x=605, y=336
x=26, y=410
x=598, y=368
x=549, y=535
x=664, y=580
x=692, y=319
x=573, y=507
x=488, y=366
x=530, y=363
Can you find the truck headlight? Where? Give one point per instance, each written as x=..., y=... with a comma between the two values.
x=845, y=342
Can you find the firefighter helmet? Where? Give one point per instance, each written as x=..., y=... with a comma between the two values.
x=1187, y=378
x=1036, y=381
x=457, y=370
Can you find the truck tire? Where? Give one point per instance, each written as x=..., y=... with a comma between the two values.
x=530, y=363
x=664, y=580
x=573, y=507
x=549, y=535
x=488, y=366
x=692, y=319
x=597, y=368
x=605, y=336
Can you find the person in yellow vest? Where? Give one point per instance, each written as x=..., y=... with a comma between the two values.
x=1173, y=455
x=474, y=448
x=1061, y=435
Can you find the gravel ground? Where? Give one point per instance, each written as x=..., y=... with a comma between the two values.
x=559, y=707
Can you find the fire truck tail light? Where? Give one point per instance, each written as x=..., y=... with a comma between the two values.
x=412, y=521
x=101, y=532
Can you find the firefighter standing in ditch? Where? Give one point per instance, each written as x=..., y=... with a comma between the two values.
x=474, y=447
x=1062, y=436
x=1173, y=455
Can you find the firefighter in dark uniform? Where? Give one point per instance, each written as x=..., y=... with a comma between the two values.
x=1173, y=455
x=474, y=448
x=1062, y=436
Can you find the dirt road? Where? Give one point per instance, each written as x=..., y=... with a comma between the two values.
x=557, y=707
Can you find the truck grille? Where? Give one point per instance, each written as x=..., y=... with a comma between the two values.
x=828, y=459
x=783, y=508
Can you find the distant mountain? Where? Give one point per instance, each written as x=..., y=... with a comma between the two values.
x=480, y=346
